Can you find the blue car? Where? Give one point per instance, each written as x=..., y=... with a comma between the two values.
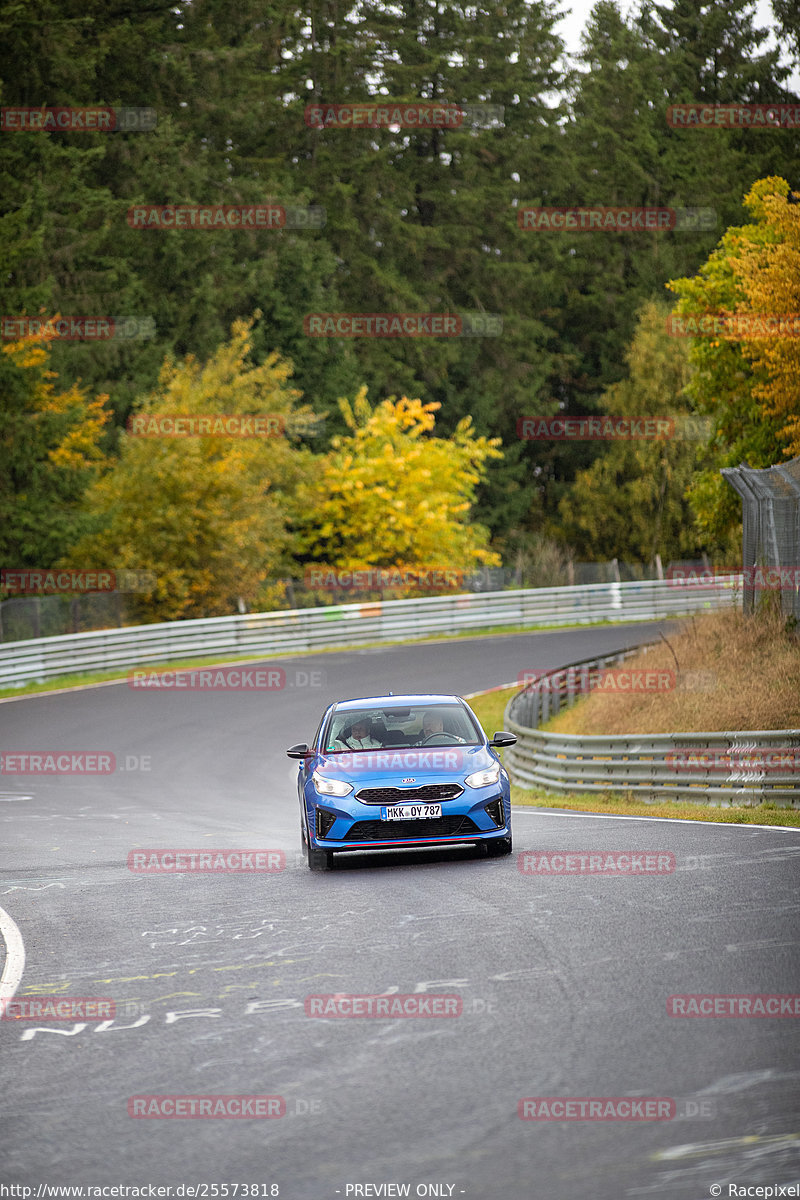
x=401, y=772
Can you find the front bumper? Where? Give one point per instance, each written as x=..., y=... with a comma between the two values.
x=359, y=826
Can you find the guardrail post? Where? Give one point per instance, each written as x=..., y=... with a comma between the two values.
x=558, y=680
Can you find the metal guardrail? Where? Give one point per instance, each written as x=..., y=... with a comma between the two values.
x=273, y=633
x=743, y=768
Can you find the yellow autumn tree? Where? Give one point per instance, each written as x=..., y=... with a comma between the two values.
x=765, y=258
x=207, y=515
x=392, y=495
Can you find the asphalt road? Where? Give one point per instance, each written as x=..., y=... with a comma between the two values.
x=564, y=980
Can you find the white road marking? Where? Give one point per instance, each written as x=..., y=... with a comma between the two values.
x=15, y=957
x=501, y=687
x=529, y=810
x=38, y=887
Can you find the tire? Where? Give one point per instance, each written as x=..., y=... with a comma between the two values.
x=498, y=847
x=319, y=860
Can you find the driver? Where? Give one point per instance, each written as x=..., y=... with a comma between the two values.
x=432, y=723
x=359, y=737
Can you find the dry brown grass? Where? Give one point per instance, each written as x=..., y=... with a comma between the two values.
x=755, y=664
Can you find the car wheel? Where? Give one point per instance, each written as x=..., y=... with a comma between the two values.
x=319, y=860
x=498, y=847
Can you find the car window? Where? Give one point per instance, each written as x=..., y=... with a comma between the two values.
x=407, y=726
x=316, y=735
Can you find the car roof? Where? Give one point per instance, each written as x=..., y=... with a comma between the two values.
x=403, y=701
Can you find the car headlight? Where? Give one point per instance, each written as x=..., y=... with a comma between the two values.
x=330, y=787
x=485, y=777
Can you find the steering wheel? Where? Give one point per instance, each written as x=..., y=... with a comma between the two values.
x=453, y=739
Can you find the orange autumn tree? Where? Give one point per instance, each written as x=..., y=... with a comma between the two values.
x=749, y=387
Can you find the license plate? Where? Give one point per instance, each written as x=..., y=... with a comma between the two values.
x=410, y=812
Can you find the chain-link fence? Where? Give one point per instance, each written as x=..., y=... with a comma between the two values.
x=23, y=617
x=770, y=533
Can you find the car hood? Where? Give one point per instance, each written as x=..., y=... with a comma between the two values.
x=396, y=764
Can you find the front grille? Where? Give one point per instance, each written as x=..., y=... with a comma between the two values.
x=396, y=831
x=427, y=793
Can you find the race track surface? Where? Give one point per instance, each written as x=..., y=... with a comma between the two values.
x=563, y=980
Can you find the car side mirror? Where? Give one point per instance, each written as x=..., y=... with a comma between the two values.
x=501, y=738
x=301, y=750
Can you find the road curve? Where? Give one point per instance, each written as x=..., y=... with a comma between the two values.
x=563, y=979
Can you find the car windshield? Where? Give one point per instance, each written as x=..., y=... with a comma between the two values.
x=418, y=725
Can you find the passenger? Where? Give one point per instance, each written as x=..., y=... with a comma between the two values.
x=359, y=737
